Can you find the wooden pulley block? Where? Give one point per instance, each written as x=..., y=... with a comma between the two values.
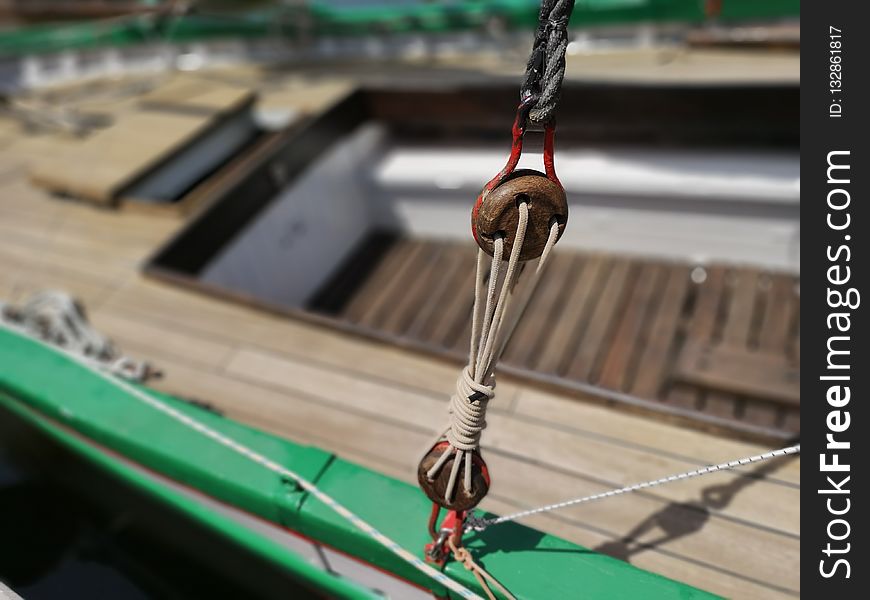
x=497, y=212
x=436, y=487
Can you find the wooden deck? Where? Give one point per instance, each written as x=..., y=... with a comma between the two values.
x=717, y=346
x=736, y=534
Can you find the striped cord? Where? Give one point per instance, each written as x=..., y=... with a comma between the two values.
x=478, y=524
x=252, y=455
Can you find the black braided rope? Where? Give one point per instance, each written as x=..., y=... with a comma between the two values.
x=546, y=67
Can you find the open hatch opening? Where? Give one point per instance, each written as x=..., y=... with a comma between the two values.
x=360, y=220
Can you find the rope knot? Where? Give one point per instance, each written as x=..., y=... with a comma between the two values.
x=464, y=556
x=468, y=408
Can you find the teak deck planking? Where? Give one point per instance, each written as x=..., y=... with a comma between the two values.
x=379, y=405
x=634, y=326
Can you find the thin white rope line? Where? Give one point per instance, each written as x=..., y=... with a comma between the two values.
x=481, y=524
x=451, y=482
x=485, y=361
x=507, y=287
x=267, y=463
x=475, y=312
x=516, y=314
x=489, y=311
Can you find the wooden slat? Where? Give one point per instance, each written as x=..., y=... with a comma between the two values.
x=590, y=346
x=702, y=324
x=735, y=331
x=729, y=369
x=123, y=252
x=386, y=300
x=690, y=445
x=362, y=301
x=772, y=336
x=653, y=368
x=452, y=267
x=741, y=309
x=414, y=290
x=196, y=97
x=123, y=329
x=537, y=322
x=792, y=421
x=45, y=261
x=629, y=344
x=712, y=401
x=98, y=168
x=561, y=344
x=366, y=306
x=199, y=317
x=705, y=315
x=626, y=340
x=21, y=284
x=444, y=325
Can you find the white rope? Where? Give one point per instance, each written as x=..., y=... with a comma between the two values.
x=486, y=580
x=57, y=318
x=478, y=524
x=491, y=327
x=99, y=369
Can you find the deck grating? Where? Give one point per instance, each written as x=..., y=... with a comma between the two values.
x=631, y=325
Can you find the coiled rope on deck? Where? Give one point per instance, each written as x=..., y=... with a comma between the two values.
x=59, y=319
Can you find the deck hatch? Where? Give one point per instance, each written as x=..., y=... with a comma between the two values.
x=317, y=226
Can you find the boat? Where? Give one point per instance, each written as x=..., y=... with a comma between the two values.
x=272, y=517
x=216, y=473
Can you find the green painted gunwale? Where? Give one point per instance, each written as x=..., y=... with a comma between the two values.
x=58, y=394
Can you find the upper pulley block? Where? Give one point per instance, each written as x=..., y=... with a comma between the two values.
x=496, y=212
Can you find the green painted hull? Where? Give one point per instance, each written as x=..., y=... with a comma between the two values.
x=145, y=448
